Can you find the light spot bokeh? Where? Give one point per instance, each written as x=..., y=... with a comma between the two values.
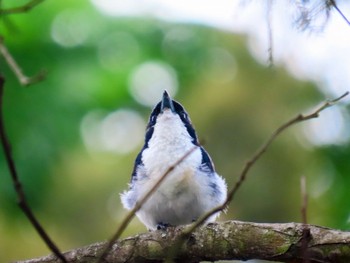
x=119, y=132
x=148, y=81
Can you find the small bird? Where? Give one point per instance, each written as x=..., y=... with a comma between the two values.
x=191, y=189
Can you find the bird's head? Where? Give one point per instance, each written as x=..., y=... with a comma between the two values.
x=171, y=114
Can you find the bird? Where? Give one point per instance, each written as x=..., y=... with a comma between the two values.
x=191, y=189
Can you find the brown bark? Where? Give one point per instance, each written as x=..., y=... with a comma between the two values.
x=224, y=241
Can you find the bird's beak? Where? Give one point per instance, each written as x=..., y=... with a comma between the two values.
x=167, y=102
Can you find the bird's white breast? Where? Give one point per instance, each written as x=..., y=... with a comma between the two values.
x=186, y=192
x=169, y=143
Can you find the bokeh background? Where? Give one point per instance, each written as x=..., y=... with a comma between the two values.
x=75, y=135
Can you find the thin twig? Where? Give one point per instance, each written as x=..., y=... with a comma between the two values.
x=248, y=165
x=140, y=203
x=21, y=9
x=306, y=236
x=303, y=200
x=22, y=202
x=333, y=3
x=269, y=32
x=299, y=118
x=23, y=79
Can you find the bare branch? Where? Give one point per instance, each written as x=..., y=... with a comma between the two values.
x=231, y=240
x=310, y=11
x=21, y=9
x=139, y=204
x=269, y=31
x=299, y=118
x=303, y=200
x=306, y=235
x=23, y=79
x=22, y=202
x=333, y=3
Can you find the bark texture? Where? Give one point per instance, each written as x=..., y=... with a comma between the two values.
x=290, y=242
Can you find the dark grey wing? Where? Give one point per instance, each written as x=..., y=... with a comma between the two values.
x=207, y=164
x=180, y=110
x=137, y=164
x=130, y=196
x=138, y=161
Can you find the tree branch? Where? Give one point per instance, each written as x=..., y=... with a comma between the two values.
x=23, y=79
x=231, y=240
x=333, y=3
x=269, y=32
x=250, y=163
x=22, y=202
x=21, y=9
x=306, y=230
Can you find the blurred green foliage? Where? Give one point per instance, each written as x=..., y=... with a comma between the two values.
x=235, y=107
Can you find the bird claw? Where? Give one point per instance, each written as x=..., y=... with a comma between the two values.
x=163, y=226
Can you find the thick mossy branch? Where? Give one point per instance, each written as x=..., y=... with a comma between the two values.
x=224, y=241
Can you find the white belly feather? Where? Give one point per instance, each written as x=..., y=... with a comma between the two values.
x=186, y=192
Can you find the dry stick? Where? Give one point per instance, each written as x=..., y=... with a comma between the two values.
x=23, y=79
x=139, y=204
x=21, y=9
x=256, y=156
x=306, y=230
x=303, y=200
x=339, y=11
x=299, y=118
x=22, y=202
x=269, y=32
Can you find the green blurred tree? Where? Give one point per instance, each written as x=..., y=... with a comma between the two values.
x=233, y=101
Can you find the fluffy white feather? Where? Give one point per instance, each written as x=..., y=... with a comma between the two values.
x=187, y=192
